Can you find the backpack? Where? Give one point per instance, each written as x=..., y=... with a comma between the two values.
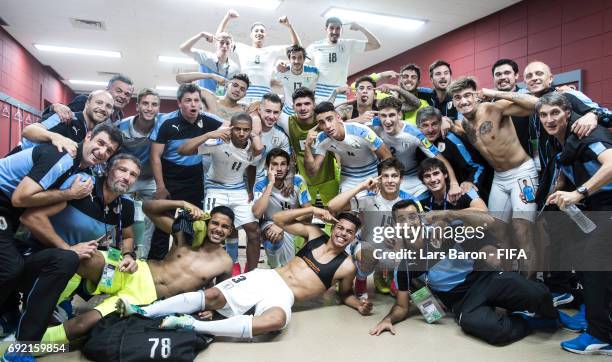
x=140, y=339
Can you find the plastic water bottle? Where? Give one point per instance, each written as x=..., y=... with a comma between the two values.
x=585, y=224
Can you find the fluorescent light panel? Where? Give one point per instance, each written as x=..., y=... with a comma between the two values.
x=179, y=60
x=166, y=88
x=257, y=4
x=87, y=82
x=347, y=16
x=67, y=50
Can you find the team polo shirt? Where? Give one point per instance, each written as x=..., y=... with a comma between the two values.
x=278, y=202
x=88, y=218
x=43, y=164
x=463, y=203
x=173, y=131
x=308, y=78
x=209, y=63
x=445, y=106
x=357, y=150
x=258, y=64
x=76, y=131
x=333, y=60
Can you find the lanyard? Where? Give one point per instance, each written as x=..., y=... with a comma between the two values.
x=226, y=68
x=119, y=231
x=431, y=202
x=426, y=242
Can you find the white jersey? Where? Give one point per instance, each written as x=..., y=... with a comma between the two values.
x=376, y=211
x=356, y=150
x=274, y=138
x=333, y=60
x=403, y=145
x=228, y=164
x=258, y=64
x=279, y=202
x=308, y=78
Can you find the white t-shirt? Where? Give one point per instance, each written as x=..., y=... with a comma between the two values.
x=209, y=63
x=356, y=150
x=274, y=138
x=376, y=211
x=279, y=202
x=228, y=163
x=333, y=60
x=258, y=64
x=308, y=78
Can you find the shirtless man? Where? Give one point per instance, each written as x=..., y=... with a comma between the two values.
x=183, y=269
x=488, y=128
x=226, y=105
x=319, y=265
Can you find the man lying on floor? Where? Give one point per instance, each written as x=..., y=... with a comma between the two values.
x=319, y=265
x=193, y=261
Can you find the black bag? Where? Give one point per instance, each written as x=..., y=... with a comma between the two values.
x=139, y=339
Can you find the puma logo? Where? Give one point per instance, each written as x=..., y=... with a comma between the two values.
x=176, y=126
x=76, y=130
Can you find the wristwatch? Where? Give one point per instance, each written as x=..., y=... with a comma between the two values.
x=130, y=253
x=583, y=191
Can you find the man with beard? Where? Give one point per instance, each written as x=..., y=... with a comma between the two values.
x=185, y=268
x=256, y=60
x=217, y=63
x=323, y=184
x=119, y=86
x=332, y=56
x=270, y=199
x=407, y=88
x=440, y=74
x=66, y=136
x=223, y=106
x=358, y=147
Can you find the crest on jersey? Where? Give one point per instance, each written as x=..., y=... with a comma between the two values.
x=3, y=224
x=441, y=146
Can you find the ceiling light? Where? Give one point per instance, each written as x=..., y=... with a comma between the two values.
x=166, y=88
x=87, y=82
x=180, y=60
x=257, y=4
x=101, y=53
x=358, y=16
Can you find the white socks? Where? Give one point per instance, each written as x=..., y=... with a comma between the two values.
x=240, y=326
x=186, y=303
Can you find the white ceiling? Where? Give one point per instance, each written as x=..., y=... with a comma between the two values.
x=143, y=29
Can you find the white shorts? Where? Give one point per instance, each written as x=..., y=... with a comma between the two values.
x=505, y=197
x=279, y=253
x=235, y=200
x=261, y=288
x=413, y=185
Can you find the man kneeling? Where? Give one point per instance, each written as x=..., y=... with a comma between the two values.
x=319, y=265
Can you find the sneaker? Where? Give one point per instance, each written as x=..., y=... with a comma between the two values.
x=178, y=322
x=562, y=298
x=361, y=287
x=381, y=284
x=576, y=323
x=587, y=344
x=126, y=309
x=538, y=322
x=236, y=269
x=17, y=357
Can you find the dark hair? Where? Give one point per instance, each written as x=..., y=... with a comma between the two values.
x=121, y=78
x=258, y=23
x=365, y=78
x=113, y=133
x=146, y=92
x=277, y=152
x=436, y=64
x=303, y=92
x=461, y=84
x=503, y=61
x=333, y=20
x=430, y=164
x=223, y=210
x=389, y=102
x=427, y=113
x=271, y=97
x=414, y=67
x=241, y=116
x=296, y=48
x=351, y=218
x=402, y=204
x=187, y=88
x=243, y=77
x=324, y=107
x=390, y=163
x=553, y=99
x=123, y=156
